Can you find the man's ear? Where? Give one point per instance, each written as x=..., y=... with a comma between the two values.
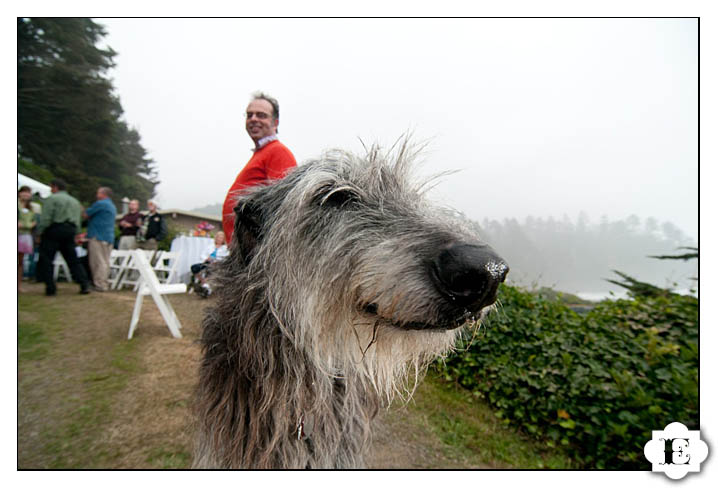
x=247, y=229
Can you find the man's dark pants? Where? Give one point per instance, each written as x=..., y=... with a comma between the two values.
x=59, y=237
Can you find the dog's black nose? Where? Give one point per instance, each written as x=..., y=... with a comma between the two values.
x=469, y=275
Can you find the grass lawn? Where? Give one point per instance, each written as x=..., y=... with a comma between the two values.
x=89, y=398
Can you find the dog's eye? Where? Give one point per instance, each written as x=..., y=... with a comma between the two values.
x=337, y=196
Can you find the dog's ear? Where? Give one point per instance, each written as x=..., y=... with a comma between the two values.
x=247, y=229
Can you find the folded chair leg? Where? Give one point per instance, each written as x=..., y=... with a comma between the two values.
x=149, y=285
x=115, y=283
x=174, y=314
x=135, y=316
x=168, y=315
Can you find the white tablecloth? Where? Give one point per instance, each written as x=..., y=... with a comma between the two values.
x=191, y=248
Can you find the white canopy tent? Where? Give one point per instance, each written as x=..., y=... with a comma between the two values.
x=36, y=186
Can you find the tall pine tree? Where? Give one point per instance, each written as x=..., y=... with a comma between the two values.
x=68, y=117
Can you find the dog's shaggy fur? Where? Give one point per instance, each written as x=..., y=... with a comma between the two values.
x=341, y=285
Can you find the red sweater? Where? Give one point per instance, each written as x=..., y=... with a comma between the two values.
x=271, y=162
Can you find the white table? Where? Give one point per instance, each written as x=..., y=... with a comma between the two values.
x=191, y=248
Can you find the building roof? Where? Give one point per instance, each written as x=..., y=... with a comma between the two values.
x=164, y=212
x=198, y=215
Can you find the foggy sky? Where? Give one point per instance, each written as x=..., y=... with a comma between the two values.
x=541, y=117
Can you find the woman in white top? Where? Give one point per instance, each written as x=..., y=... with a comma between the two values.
x=213, y=253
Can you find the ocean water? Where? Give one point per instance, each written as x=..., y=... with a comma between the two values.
x=622, y=294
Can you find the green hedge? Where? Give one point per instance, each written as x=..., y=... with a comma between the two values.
x=596, y=384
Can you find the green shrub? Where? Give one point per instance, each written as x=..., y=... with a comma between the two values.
x=596, y=384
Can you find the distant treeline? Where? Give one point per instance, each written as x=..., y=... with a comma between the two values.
x=213, y=209
x=578, y=256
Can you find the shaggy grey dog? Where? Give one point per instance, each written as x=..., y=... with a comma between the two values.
x=341, y=285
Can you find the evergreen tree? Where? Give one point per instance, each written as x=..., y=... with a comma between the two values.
x=68, y=117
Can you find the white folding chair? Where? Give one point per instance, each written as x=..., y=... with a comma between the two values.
x=60, y=267
x=130, y=278
x=118, y=266
x=149, y=285
x=166, y=266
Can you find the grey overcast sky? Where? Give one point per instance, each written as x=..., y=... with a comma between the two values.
x=541, y=117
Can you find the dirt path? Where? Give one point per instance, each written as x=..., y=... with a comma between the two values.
x=95, y=400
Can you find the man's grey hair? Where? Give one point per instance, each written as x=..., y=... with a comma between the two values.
x=271, y=100
x=107, y=191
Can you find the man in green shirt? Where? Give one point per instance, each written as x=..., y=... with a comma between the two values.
x=59, y=223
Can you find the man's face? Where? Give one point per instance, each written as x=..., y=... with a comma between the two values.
x=259, y=120
x=134, y=206
x=100, y=194
x=151, y=206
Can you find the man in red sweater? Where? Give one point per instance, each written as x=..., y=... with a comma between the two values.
x=271, y=159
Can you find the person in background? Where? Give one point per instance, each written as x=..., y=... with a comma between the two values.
x=271, y=159
x=101, y=237
x=59, y=225
x=36, y=206
x=154, y=226
x=211, y=254
x=25, y=225
x=129, y=225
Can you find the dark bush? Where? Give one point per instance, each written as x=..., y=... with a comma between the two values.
x=596, y=384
